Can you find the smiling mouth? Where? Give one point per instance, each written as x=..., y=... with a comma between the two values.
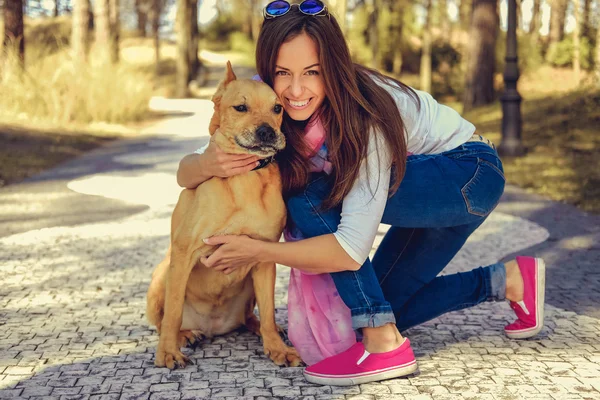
x=299, y=105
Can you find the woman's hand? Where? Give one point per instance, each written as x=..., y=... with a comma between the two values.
x=195, y=169
x=234, y=252
x=221, y=164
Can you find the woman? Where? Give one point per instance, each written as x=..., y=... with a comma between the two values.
x=434, y=199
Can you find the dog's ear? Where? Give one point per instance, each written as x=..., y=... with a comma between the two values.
x=216, y=99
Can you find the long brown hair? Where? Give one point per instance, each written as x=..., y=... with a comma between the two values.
x=354, y=105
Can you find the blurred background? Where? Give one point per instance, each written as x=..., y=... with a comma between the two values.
x=75, y=74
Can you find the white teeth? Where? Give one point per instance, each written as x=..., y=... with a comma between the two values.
x=298, y=103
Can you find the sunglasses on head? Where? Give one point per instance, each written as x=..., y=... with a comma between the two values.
x=308, y=7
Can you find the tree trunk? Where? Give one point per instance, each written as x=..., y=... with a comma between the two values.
x=479, y=86
x=184, y=34
x=255, y=19
x=426, y=51
x=115, y=30
x=193, y=59
x=341, y=11
x=80, y=33
x=373, y=31
x=142, y=17
x=155, y=24
x=557, y=20
x=535, y=24
x=585, y=21
x=598, y=57
x=396, y=35
x=465, y=12
x=102, y=29
x=14, y=32
x=444, y=19
x=56, y=8
x=577, y=42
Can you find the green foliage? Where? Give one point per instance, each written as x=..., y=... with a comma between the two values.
x=561, y=54
x=239, y=41
x=220, y=29
x=528, y=51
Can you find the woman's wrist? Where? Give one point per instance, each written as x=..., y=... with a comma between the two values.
x=265, y=251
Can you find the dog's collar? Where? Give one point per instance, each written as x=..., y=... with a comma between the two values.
x=263, y=162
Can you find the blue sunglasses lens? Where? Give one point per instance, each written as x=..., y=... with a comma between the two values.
x=277, y=8
x=312, y=7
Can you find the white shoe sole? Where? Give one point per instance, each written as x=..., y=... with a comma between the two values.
x=348, y=380
x=541, y=297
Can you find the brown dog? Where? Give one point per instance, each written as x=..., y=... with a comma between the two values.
x=187, y=300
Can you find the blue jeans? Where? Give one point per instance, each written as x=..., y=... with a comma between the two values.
x=441, y=201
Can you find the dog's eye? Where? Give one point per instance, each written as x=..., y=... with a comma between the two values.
x=277, y=109
x=241, y=108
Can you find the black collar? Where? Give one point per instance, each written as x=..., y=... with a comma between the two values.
x=263, y=162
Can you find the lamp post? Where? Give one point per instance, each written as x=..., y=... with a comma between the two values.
x=511, y=99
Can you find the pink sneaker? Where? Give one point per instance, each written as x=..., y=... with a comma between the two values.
x=356, y=365
x=530, y=311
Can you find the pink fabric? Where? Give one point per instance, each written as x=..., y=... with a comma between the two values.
x=319, y=322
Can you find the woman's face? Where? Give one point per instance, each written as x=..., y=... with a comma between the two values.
x=298, y=81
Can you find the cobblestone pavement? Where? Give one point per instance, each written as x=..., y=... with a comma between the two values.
x=78, y=245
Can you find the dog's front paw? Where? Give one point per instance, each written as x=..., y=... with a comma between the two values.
x=283, y=355
x=171, y=359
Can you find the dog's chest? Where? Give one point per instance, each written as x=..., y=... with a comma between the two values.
x=217, y=310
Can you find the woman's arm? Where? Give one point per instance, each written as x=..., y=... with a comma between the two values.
x=192, y=171
x=321, y=254
x=200, y=166
x=345, y=250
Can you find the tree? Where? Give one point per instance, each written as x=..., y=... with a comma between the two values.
x=141, y=11
x=479, y=85
x=396, y=28
x=184, y=33
x=373, y=9
x=577, y=42
x=194, y=41
x=156, y=10
x=106, y=17
x=339, y=8
x=535, y=24
x=426, y=50
x=80, y=32
x=444, y=19
x=598, y=57
x=14, y=32
x=465, y=10
x=115, y=29
x=187, y=61
x=56, y=8
x=557, y=20
x=585, y=22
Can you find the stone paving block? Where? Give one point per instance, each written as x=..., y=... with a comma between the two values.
x=166, y=395
x=59, y=391
x=195, y=394
x=134, y=396
x=226, y=392
x=111, y=396
x=10, y=393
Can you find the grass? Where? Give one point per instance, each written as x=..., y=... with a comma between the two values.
x=560, y=131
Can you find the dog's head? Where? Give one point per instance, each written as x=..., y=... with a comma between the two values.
x=247, y=117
